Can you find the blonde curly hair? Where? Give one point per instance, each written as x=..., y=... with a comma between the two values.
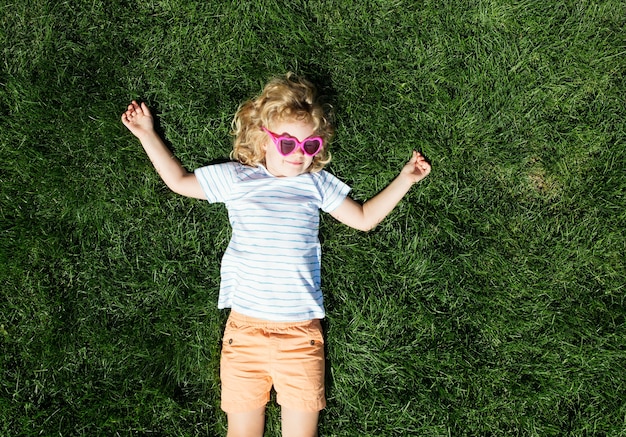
x=287, y=97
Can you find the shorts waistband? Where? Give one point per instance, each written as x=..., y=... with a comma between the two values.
x=262, y=323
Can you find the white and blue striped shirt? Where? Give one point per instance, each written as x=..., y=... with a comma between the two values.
x=271, y=268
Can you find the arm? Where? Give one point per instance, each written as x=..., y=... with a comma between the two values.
x=138, y=119
x=367, y=216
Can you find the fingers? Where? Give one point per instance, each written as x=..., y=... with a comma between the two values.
x=145, y=109
x=420, y=163
x=138, y=119
x=135, y=109
x=135, y=114
x=417, y=158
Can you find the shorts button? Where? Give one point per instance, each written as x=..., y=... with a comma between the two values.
x=230, y=341
x=312, y=342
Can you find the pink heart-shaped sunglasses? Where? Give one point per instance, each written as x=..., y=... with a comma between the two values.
x=286, y=144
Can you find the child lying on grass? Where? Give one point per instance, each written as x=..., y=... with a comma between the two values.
x=270, y=274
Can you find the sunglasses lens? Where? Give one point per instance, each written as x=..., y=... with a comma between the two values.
x=287, y=146
x=311, y=147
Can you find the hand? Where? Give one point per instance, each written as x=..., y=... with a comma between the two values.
x=416, y=169
x=138, y=119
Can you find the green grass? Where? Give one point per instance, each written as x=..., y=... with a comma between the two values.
x=490, y=302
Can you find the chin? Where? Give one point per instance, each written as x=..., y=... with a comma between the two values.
x=290, y=170
x=294, y=173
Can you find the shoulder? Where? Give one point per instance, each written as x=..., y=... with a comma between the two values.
x=219, y=180
x=324, y=179
x=232, y=168
x=332, y=190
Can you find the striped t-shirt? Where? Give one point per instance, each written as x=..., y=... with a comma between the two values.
x=272, y=266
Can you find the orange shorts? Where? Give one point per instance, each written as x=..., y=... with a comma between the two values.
x=258, y=354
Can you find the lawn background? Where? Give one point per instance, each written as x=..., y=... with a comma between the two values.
x=490, y=302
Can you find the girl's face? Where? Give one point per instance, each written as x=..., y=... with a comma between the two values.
x=296, y=163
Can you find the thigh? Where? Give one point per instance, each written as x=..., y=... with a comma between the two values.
x=299, y=369
x=244, y=369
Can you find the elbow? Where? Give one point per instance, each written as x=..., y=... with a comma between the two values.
x=177, y=184
x=366, y=223
x=173, y=185
x=180, y=189
x=365, y=226
x=369, y=218
x=176, y=190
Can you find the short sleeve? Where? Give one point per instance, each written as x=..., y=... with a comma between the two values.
x=217, y=180
x=334, y=191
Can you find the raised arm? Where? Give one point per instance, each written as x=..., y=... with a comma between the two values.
x=138, y=119
x=366, y=216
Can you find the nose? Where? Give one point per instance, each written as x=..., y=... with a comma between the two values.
x=298, y=151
